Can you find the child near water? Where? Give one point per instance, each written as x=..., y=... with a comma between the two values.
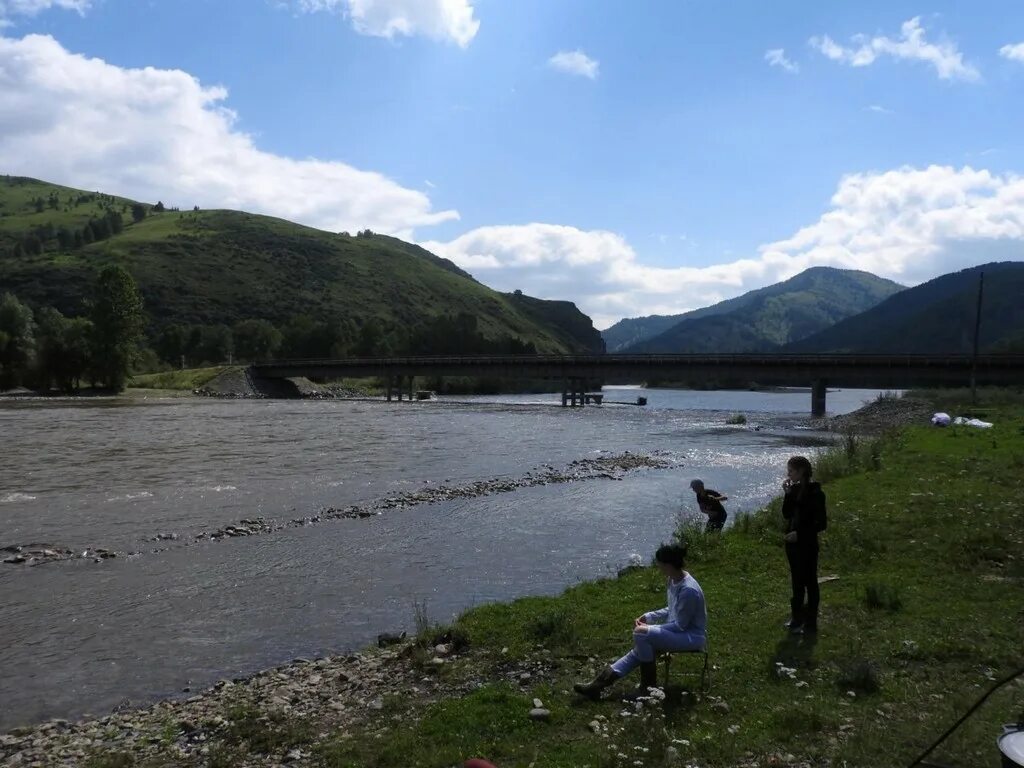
x=710, y=503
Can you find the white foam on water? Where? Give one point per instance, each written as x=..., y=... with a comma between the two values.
x=10, y=498
x=132, y=496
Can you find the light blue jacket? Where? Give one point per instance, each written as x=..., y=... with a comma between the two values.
x=685, y=612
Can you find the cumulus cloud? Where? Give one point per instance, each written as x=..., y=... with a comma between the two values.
x=776, y=57
x=447, y=20
x=1013, y=52
x=10, y=9
x=161, y=134
x=575, y=63
x=906, y=224
x=911, y=45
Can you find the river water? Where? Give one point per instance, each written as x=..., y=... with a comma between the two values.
x=78, y=637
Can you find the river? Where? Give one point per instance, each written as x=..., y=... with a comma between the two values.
x=80, y=637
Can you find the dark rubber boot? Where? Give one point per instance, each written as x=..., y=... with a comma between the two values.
x=648, y=675
x=592, y=690
x=811, y=623
x=648, y=680
x=796, y=620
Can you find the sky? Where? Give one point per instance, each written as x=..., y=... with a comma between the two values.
x=634, y=158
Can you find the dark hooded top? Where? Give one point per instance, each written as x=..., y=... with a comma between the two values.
x=804, y=509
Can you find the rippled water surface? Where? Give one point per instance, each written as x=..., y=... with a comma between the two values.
x=81, y=637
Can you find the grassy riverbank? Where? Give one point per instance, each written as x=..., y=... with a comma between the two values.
x=187, y=379
x=927, y=544
x=921, y=610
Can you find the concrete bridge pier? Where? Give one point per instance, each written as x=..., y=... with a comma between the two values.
x=397, y=385
x=818, y=392
x=574, y=393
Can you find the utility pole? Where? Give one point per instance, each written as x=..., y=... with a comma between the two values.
x=977, y=329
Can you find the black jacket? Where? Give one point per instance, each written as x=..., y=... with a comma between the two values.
x=804, y=509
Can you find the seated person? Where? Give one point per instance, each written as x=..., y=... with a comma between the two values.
x=678, y=627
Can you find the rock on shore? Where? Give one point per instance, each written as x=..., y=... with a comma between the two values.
x=880, y=415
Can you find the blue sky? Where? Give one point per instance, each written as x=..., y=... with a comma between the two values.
x=680, y=168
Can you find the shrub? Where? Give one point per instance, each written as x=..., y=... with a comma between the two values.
x=701, y=545
x=555, y=625
x=859, y=676
x=736, y=418
x=882, y=596
x=851, y=454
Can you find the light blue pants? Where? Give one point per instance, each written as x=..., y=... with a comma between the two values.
x=647, y=644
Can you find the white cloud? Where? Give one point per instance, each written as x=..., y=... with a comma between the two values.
x=1013, y=52
x=448, y=20
x=907, y=224
x=9, y=9
x=160, y=134
x=879, y=109
x=777, y=58
x=575, y=63
x=911, y=45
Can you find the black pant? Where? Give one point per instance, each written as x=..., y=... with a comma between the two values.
x=715, y=523
x=803, y=570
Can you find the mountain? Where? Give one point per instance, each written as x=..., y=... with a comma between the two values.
x=205, y=268
x=771, y=317
x=936, y=317
x=634, y=330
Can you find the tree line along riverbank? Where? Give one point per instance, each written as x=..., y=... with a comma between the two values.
x=922, y=609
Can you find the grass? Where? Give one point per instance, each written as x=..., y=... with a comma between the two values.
x=188, y=379
x=925, y=539
x=958, y=402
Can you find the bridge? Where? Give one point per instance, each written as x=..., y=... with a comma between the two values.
x=817, y=371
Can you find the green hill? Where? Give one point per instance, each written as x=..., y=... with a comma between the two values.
x=936, y=317
x=209, y=268
x=770, y=317
x=632, y=331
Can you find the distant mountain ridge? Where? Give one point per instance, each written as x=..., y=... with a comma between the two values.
x=770, y=317
x=936, y=317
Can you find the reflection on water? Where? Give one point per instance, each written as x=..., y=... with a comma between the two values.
x=81, y=637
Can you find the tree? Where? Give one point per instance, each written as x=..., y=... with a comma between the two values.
x=371, y=341
x=256, y=340
x=117, y=326
x=116, y=222
x=138, y=212
x=64, y=345
x=40, y=206
x=217, y=345
x=159, y=207
x=172, y=344
x=32, y=244
x=100, y=229
x=17, y=340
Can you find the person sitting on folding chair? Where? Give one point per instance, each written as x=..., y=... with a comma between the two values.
x=680, y=626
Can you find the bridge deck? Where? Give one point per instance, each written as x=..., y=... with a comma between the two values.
x=897, y=371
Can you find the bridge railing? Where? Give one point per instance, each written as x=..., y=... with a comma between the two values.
x=654, y=360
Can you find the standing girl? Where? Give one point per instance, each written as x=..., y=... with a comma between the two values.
x=803, y=507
